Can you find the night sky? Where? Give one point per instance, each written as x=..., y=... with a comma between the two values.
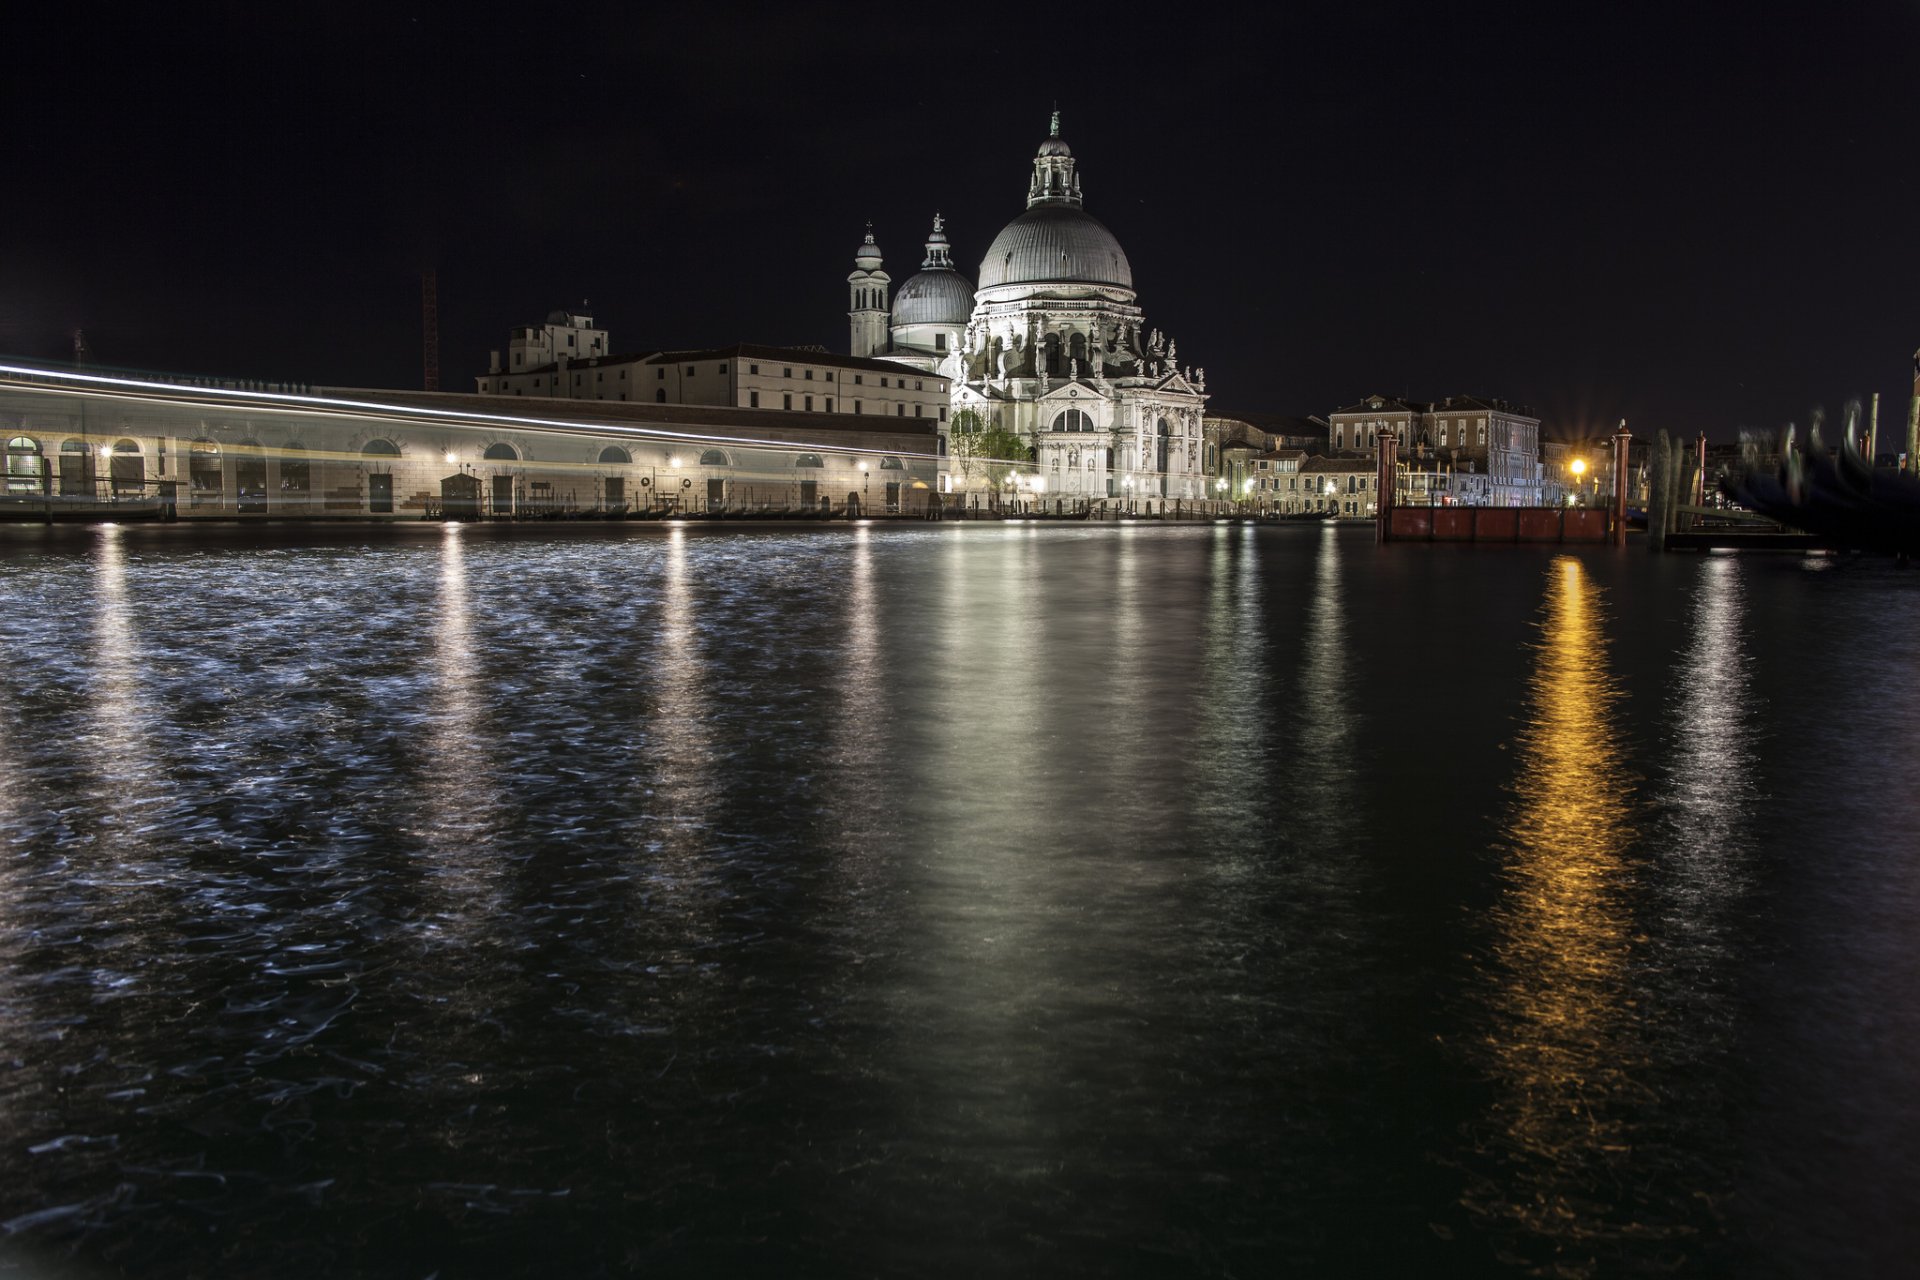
x=1687, y=215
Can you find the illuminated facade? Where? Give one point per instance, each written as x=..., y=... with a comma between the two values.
x=1051, y=345
x=80, y=446
x=1467, y=450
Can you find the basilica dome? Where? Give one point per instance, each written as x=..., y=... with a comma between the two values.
x=1055, y=243
x=937, y=296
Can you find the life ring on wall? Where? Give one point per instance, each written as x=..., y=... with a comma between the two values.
x=645, y=482
x=687, y=483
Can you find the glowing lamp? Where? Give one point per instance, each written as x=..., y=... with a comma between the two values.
x=1579, y=467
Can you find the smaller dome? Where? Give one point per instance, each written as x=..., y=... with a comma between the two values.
x=933, y=297
x=867, y=256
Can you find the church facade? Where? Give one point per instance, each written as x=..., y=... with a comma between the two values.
x=1051, y=345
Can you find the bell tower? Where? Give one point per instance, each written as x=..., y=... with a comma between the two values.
x=867, y=306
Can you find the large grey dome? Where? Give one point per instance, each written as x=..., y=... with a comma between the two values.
x=940, y=296
x=1055, y=242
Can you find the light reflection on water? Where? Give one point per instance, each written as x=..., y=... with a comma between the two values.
x=922, y=899
x=1560, y=1044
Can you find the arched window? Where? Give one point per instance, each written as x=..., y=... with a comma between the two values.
x=808, y=460
x=614, y=455
x=380, y=449
x=660, y=396
x=25, y=465
x=1072, y=420
x=715, y=458
x=892, y=464
x=127, y=469
x=501, y=453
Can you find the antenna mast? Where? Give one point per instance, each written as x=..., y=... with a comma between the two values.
x=430, y=331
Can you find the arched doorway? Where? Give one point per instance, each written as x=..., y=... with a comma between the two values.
x=1165, y=432
x=379, y=482
x=296, y=475
x=716, y=485
x=809, y=484
x=76, y=469
x=502, y=482
x=128, y=469
x=250, y=477
x=613, y=489
x=203, y=473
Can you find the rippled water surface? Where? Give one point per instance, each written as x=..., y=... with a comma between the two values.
x=936, y=900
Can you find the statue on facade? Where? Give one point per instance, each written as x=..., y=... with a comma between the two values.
x=1173, y=354
x=1039, y=360
x=1073, y=369
x=1200, y=377
x=1000, y=351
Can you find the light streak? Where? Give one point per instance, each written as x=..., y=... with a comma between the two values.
x=29, y=378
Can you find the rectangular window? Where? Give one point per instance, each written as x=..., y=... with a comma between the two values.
x=858, y=380
x=753, y=369
x=723, y=371
x=786, y=372
x=916, y=410
x=883, y=382
x=943, y=413
x=809, y=404
x=899, y=411
x=917, y=386
x=753, y=399
x=809, y=373
x=689, y=371
x=856, y=406
x=828, y=375
x=939, y=342
x=660, y=374
x=787, y=400
x=829, y=404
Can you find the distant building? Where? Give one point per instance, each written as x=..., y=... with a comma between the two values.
x=1468, y=450
x=1343, y=484
x=565, y=336
x=744, y=376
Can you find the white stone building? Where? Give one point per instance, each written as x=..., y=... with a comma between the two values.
x=1052, y=346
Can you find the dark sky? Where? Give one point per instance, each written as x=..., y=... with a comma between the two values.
x=1690, y=215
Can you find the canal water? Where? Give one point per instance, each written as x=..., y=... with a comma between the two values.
x=948, y=900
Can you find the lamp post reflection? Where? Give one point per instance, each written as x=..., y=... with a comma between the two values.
x=1560, y=1050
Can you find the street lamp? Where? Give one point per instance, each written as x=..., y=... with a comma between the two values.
x=1579, y=469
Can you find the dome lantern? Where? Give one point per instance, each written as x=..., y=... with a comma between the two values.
x=1054, y=179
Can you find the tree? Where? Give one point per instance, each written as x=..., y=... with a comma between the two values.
x=979, y=450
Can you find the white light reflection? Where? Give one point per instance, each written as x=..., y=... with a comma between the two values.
x=1325, y=767
x=119, y=748
x=460, y=793
x=1233, y=750
x=679, y=753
